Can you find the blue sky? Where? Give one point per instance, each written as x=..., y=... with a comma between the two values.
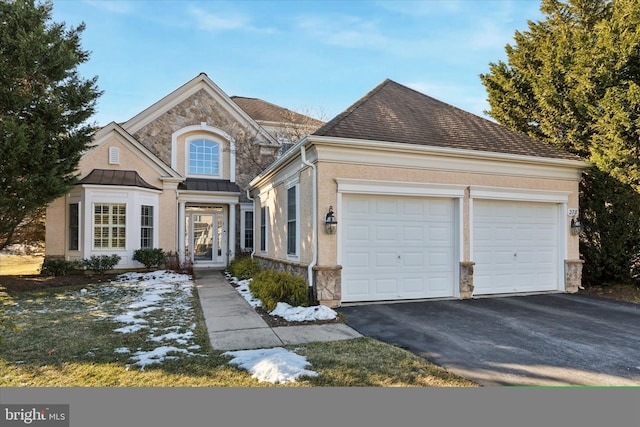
x=317, y=57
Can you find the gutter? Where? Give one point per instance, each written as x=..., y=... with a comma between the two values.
x=314, y=207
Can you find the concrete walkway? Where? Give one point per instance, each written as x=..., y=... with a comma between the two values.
x=233, y=324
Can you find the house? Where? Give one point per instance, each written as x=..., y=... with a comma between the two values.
x=404, y=197
x=173, y=177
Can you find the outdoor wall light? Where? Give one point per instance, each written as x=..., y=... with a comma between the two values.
x=330, y=222
x=576, y=227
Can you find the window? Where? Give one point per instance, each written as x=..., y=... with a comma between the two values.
x=74, y=227
x=264, y=213
x=248, y=230
x=292, y=237
x=109, y=225
x=204, y=157
x=146, y=227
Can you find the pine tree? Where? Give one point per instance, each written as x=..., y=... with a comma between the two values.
x=44, y=108
x=573, y=80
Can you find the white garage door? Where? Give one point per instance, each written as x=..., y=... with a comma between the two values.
x=515, y=247
x=397, y=247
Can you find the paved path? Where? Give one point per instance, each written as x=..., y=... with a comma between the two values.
x=233, y=324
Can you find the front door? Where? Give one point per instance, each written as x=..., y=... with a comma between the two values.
x=206, y=236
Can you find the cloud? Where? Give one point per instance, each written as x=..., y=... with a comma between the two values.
x=422, y=8
x=223, y=21
x=344, y=31
x=119, y=7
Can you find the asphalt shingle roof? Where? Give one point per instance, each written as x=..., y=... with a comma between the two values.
x=395, y=113
x=116, y=177
x=258, y=109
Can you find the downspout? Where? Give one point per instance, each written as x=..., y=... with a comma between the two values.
x=253, y=250
x=314, y=210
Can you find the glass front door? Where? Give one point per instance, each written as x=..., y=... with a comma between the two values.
x=206, y=235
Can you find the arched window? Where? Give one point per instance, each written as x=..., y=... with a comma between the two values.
x=204, y=157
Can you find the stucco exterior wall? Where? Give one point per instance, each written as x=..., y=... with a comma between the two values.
x=466, y=176
x=98, y=158
x=56, y=216
x=327, y=191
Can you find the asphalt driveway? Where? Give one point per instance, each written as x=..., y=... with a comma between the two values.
x=539, y=340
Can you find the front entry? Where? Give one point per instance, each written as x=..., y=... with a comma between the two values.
x=206, y=235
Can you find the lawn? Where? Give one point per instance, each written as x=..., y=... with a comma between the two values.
x=20, y=264
x=148, y=331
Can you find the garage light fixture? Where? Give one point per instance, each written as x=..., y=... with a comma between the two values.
x=576, y=227
x=330, y=222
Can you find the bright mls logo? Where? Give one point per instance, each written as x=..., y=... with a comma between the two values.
x=36, y=415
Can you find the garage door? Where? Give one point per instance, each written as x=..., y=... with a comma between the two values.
x=397, y=248
x=515, y=247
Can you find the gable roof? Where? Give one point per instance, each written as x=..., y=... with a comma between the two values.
x=200, y=82
x=265, y=111
x=395, y=113
x=105, y=133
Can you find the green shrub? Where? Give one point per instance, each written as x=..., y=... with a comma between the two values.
x=243, y=268
x=272, y=287
x=101, y=263
x=57, y=267
x=150, y=257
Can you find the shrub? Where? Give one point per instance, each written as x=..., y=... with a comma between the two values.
x=101, y=263
x=150, y=257
x=173, y=263
x=243, y=267
x=57, y=267
x=272, y=287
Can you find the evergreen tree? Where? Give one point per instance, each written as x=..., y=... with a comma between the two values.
x=573, y=80
x=44, y=107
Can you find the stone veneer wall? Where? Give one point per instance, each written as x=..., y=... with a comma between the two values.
x=327, y=280
x=466, y=279
x=573, y=275
x=201, y=107
x=328, y=285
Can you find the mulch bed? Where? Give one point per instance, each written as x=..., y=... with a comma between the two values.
x=36, y=281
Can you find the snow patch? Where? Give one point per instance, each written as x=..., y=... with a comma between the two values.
x=274, y=365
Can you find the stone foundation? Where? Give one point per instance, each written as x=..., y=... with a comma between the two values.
x=328, y=285
x=327, y=279
x=466, y=279
x=573, y=275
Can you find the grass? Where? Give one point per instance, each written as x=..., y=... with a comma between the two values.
x=67, y=339
x=11, y=265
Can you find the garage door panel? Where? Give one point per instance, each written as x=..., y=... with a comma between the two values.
x=413, y=234
x=386, y=286
x=515, y=246
x=357, y=233
x=386, y=233
x=358, y=259
x=385, y=261
x=410, y=242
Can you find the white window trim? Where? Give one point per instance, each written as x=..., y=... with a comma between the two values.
x=93, y=226
x=294, y=184
x=205, y=132
x=264, y=218
x=79, y=203
x=187, y=156
x=244, y=208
